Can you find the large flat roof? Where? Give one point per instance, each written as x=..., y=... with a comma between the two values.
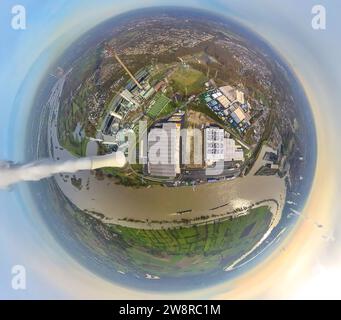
x=238, y=115
x=169, y=165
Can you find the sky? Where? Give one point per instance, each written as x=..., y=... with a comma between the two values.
x=309, y=267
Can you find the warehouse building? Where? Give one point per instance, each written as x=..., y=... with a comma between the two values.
x=214, y=145
x=164, y=150
x=238, y=115
x=232, y=152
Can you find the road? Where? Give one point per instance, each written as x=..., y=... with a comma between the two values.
x=229, y=171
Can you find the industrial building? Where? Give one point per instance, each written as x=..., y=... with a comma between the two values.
x=232, y=94
x=218, y=147
x=229, y=105
x=232, y=152
x=164, y=154
x=134, y=95
x=186, y=136
x=240, y=97
x=238, y=115
x=177, y=117
x=214, y=144
x=229, y=92
x=130, y=98
x=224, y=101
x=192, y=147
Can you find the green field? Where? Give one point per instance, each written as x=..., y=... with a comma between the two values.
x=160, y=102
x=70, y=114
x=169, y=109
x=76, y=148
x=188, y=81
x=196, y=249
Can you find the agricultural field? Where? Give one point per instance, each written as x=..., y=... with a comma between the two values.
x=196, y=249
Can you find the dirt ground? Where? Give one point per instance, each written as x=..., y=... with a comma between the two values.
x=197, y=119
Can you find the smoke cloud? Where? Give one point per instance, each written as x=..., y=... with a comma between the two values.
x=13, y=173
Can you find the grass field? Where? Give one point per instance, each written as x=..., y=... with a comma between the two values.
x=69, y=116
x=188, y=81
x=168, y=109
x=195, y=249
x=78, y=149
x=160, y=102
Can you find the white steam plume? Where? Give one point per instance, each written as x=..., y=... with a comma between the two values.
x=12, y=173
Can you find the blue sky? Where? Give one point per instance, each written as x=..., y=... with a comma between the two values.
x=53, y=25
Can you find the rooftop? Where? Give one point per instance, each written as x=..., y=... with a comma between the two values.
x=238, y=115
